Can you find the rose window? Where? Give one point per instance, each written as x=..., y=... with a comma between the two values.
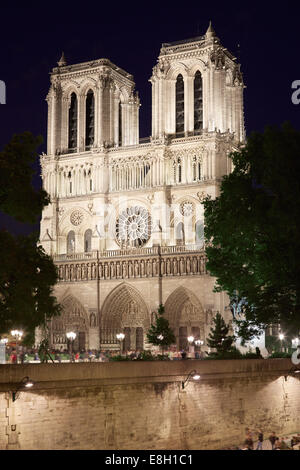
x=186, y=208
x=133, y=227
x=76, y=217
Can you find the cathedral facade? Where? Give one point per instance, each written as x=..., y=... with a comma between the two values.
x=125, y=225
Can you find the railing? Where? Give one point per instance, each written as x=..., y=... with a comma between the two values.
x=154, y=250
x=130, y=264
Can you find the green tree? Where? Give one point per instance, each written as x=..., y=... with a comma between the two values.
x=252, y=232
x=160, y=333
x=219, y=338
x=27, y=273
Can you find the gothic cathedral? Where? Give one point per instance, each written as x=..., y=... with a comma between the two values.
x=125, y=225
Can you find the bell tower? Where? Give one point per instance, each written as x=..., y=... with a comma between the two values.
x=92, y=104
x=197, y=86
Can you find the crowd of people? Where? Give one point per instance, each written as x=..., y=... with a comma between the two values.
x=35, y=355
x=255, y=440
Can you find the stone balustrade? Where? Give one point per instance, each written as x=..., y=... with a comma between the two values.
x=125, y=264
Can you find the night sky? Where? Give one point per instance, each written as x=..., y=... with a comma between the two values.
x=33, y=37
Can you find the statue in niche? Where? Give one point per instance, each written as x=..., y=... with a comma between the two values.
x=118, y=269
x=148, y=268
x=93, y=271
x=83, y=271
x=142, y=268
x=130, y=270
x=154, y=267
x=72, y=273
x=194, y=265
x=92, y=320
x=88, y=271
x=181, y=266
x=106, y=271
x=174, y=266
x=112, y=270
x=136, y=269
x=163, y=267
x=168, y=266
x=188, y=265
x=202, y=263
x=124, y=267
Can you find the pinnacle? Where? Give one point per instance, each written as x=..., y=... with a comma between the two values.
x=62, y=61
x=210, y=31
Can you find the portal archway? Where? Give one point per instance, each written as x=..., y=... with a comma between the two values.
x=73, y=318
x=124, y=310
x=186, y=316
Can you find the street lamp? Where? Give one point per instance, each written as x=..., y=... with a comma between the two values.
x=192, y=375
x=71, y=337
x=281, y=337
x=120, y=337
x=25, y=383
x=17, y=334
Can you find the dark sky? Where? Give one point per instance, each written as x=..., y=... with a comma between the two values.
x=33, y=37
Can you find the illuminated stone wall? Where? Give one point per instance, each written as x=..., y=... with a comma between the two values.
x=140, y=405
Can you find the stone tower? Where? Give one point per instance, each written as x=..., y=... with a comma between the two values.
x=125, y=223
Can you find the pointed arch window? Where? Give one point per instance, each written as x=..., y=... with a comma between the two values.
x=196, y=169
x=120, y=123
x=199, y=232
x=72, y=144
x=198, y=103
x=179, y=105
x=180, y=239
x=71, y=242
x=89, y=119
x=88, y=240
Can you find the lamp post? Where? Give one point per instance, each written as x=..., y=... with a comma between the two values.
x=17, y=334
x=120, y=337
x=26, y=382
x=192, y=375
x=199, y=342
x=71, y=337
x=191, y=340
x=281, y=337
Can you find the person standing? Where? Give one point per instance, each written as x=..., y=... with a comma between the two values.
x=260, y=440
x=249, y=441
x=272, y=439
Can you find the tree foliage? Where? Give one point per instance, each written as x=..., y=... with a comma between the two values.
x=218, y=338
x=160, y=333
x=252, y=231
x=27, y=273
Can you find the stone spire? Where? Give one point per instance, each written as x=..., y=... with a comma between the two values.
x=62, y=61
x=210, y=33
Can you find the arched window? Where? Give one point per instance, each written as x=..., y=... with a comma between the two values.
x=89, y=119
x=73, y=123
x=179, y=170
x=196, y=170
x=70, y=182
x=88, y=240
x=71, y=242
x=198, y=103
x=199, y=232
x=120, y=123
x=180, y=234
x=179, y=105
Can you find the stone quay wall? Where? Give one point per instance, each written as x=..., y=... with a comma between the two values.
x=142, y=405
